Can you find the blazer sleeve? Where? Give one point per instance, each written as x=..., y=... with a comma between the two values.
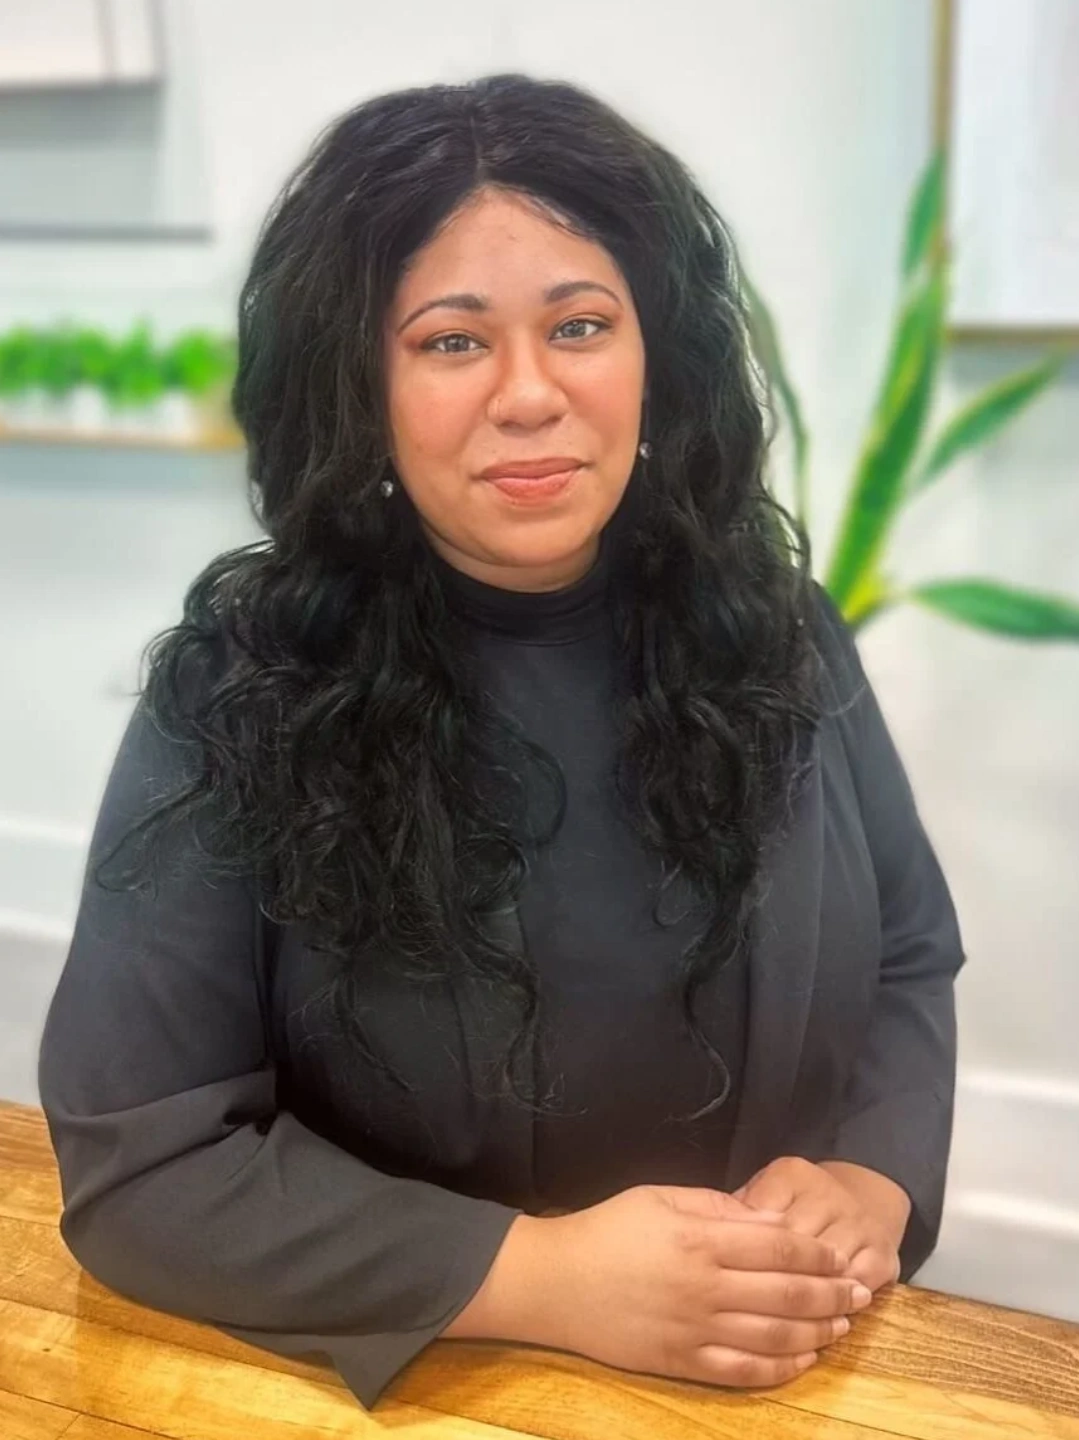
x=184, y=1187
x=896, y=1115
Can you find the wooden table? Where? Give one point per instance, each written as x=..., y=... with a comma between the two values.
x=79, y=1361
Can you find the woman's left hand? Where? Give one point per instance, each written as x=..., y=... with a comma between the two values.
x=859, y=1211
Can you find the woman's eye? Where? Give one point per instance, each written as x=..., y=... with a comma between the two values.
x=441, y=341
x=601, y=324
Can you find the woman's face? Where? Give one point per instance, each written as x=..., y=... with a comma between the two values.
x=497, y=371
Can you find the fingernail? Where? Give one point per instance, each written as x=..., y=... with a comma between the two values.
x=840, y=1326
x=804, y=1361
x=860, y=1297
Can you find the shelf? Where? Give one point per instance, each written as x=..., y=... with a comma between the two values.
x=222, y=438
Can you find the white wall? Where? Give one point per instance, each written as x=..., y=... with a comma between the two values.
x=808, y=124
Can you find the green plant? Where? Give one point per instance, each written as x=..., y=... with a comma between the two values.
x=898, y=461
x=20, y=360
x=54, y=360
x=92, y=354
x=198, y=361
x=59, y=370
x=134, y=373
x=131, y=369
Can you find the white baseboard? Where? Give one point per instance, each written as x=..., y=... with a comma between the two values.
x=41, y=868
x=32, y=953
x=1011, y=1215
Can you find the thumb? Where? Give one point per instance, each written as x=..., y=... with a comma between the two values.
x=713, y=1204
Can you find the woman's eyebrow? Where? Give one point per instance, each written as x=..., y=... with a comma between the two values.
x=466, y=300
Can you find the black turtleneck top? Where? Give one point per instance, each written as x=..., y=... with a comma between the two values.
x=621, y=1068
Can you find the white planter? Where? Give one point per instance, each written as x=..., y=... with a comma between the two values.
x=33, y=409
x=87, y=410
x=128, y=419
x=171, y=416
x=174, y=415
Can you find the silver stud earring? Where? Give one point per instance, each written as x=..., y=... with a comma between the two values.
x=644, y=449
x=387, y=488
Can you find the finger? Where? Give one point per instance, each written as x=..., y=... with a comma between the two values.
x=750, y=1216
x=712, y=1204
x=773, y=1334
x=813, y=1214
x=874, y=1267
x=769, y=1192
x=794, y=1297
x=871, y=1263
x=721, y=1365
x=849, y=1240
x=774, y=1248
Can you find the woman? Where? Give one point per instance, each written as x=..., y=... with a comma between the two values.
x=542, y=941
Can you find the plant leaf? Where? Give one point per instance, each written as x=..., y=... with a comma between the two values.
x=907, y=330
x=871, y=594
x=984, y=416
x=878, y=487
x=925, y=216
x=924, y=225
x=766, y=343
x=988, y=605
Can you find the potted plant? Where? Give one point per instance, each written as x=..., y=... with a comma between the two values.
x=133, y=380
x=900, y=459
x=88, y=409
x=76, y=379
x=58, y=371
x=22, y=388
x=197, y=369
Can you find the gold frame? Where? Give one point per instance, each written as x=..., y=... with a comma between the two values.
x=943, y=60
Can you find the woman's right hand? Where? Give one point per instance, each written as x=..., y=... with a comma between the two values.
x=669, y=1280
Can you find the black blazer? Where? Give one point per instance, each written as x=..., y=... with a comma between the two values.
x=191, y=1184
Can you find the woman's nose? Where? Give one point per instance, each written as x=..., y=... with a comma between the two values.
x=527, y=389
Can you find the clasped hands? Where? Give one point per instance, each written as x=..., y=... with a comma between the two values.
x=702, y=1303
x=858, y=1211
x=738, y=1289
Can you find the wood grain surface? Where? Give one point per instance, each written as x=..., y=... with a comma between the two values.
x=80, y=1361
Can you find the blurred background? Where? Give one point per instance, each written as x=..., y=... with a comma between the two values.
x=140, y=145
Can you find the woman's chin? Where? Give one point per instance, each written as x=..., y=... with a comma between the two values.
x=527, y=557
x=562, y=559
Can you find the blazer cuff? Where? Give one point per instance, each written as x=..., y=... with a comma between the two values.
x=865, y=1140
x=369, y=1363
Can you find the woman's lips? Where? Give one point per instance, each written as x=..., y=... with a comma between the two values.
x=533, y=489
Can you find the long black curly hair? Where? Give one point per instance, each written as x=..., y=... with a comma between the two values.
x=346, y=755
